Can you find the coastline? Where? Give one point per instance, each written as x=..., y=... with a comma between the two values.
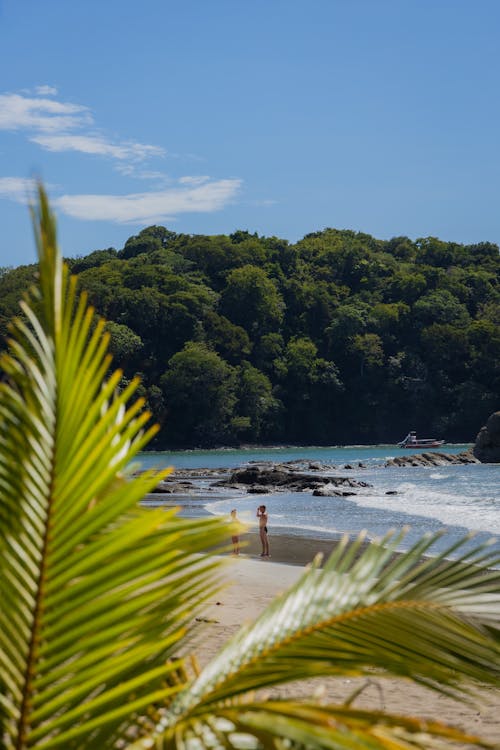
x=251, y=584
x=454, y=499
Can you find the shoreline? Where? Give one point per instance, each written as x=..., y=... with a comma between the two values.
x=292, y=551
x=286, y=549
x=289, y=446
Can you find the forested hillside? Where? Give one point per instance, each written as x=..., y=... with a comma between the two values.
x=340, y=338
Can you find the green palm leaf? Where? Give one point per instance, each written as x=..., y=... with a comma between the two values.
x=372, y=612
x=96, y=593
x=309, y=726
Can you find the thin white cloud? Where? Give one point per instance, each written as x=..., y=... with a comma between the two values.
x=63, y=126
x=97, y=144
x=58, y=126
x=129, y=169
x=40, y=114
x=140, y=208
x=46, y=90
x=194, y=180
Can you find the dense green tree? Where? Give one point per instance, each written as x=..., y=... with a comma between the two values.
x=148, y=240
x=268, y=354
x=255, y=402
x=446, y=348
x=435, y=252
x=440, y=306
x=14, y=282
x=390, y=318
x=402, y=330
x=369, y=350
x=405, y=285
x=93, y=260
x=310, y=387
x=231, y=341
x=250, y=299
x=199, y=388
x=124, y=344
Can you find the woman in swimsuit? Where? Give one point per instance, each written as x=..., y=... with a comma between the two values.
x=235, y=538
x=262, y=516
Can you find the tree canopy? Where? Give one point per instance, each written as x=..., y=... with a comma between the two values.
x=340, y=337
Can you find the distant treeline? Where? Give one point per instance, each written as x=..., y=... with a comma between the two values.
x=339, y=338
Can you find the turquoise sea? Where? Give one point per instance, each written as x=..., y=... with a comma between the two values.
x=455, y=498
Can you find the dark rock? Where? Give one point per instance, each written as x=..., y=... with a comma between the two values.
x=170, y=487
x=433, y=459
x=273, y=479
x=348, y=466
x=391, y=492
x=487, y=446
x=255, y=475
x=326, y=492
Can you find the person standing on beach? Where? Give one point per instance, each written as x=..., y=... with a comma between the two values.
x=235, y=538
x=262, y=516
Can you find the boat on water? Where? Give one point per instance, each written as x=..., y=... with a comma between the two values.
x=411, y=441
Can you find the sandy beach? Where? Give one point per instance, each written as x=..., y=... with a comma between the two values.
x=252, y=583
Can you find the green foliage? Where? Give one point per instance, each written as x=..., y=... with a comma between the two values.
x=13, y=284
x=124, y=344
x=368, y=347
x=360, y=302
x=341, y=621
x=251, y=300
x=95, y=592
x=98, y=594
x=256, y=402
x=150, y=239
x=440, y=307
x=230, y=340
x=93, y=260
x=199, y=388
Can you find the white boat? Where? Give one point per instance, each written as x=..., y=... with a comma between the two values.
x=411, y=441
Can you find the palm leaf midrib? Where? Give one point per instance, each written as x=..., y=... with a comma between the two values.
x=34, y=639
x=279, y=650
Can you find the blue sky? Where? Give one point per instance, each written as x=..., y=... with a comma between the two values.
x=277, y=116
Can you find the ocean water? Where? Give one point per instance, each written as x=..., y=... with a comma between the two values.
x=456, y=499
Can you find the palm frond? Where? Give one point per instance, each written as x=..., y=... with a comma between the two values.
x=96, y=592
x=372, y=611
x=311, y=726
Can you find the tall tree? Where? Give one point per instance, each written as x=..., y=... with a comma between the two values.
x=200, y=394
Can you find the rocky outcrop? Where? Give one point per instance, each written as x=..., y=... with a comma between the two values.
x=329, y=491
x=487, y=447
x=276, y=479
x=433, y=459
x=173, y=488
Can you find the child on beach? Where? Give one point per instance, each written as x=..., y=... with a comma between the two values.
x=262, y=516
x=235, y=538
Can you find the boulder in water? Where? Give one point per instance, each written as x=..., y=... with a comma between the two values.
x=487, y=447
x=433, y=459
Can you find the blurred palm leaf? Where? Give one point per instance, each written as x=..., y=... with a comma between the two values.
x=95, y=592
x=367, y=612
